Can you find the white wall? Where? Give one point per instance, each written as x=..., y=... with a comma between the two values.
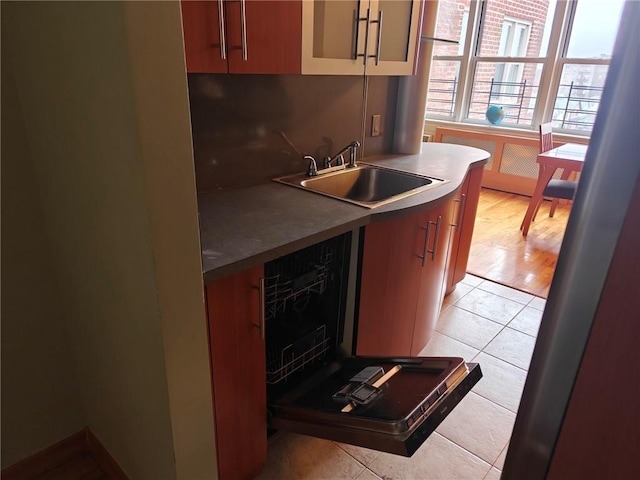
x=40, y=400
x=154, y=34
x=111, y=146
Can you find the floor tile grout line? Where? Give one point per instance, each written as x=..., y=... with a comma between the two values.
x=459, y=341
x=492, y=401
x=526, y=370
x=352, y=456
x=479, y=287
x=535, y=337
x=480, y=350
x=475, y=455
x=374, y=473
x=528, y=304
x=496, y=403
x=494, y=337
x=480, y=315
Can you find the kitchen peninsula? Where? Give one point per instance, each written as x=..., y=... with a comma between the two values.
x=244, y=227
x=254, y=235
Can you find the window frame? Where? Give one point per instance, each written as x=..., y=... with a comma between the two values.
x=552, y=63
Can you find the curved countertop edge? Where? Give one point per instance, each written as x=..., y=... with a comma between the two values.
x=242, y=228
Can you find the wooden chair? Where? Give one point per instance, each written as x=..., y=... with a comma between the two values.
x=546, y=137
x=556, y=189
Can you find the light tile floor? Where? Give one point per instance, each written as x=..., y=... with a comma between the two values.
x=481, y=321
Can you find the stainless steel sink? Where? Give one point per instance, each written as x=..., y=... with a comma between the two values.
x=366, y=185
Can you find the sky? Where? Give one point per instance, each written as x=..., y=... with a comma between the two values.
x=595, y=26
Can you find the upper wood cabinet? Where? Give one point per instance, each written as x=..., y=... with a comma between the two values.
x=401, y=285
x=372, y=37
x=242, y=36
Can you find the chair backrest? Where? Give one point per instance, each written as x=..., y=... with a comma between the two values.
x=546, y=137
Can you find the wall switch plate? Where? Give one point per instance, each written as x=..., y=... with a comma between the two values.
x=375, y=125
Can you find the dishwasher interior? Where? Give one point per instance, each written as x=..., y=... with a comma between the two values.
x=305, y=304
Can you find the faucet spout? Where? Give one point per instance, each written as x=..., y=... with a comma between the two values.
x=351, y=148
x=313, y=171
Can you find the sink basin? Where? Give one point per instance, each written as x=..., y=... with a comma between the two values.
x=366, y=185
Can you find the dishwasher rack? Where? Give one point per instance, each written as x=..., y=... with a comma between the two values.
x=304, y=301
x=283, y=290
x=282, y=362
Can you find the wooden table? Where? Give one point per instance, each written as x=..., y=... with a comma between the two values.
x=569, y=157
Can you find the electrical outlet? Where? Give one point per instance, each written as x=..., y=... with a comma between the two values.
x=375, y=125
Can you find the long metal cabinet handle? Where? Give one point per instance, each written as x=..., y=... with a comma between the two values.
x=462, y=201
x=366, y=37
x=463, y=204
x=425, y=248
x=356, y=32
x=261, y=308
x=243, y=29
x=221, y=30
x=435, y=240
x=379, y=22
x=426, y=243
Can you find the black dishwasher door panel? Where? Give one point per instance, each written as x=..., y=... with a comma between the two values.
x=396, y=416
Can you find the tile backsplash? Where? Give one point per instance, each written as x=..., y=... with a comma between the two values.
x=248, y=129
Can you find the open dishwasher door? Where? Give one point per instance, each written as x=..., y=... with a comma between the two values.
x=386, y=404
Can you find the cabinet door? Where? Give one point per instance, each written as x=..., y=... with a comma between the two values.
x=238, y=373
x=202, y=24
x=393, y=36
x=242, y=36
x=333, y=34
x=463, y=224
x=431, y=293
x=389, y=286
x=264, y=36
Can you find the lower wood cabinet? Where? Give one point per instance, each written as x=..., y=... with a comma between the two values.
x=402, y=279
x=467, y=200
x=237, y=351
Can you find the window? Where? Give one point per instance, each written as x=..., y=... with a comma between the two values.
x=513, y=43
x=584, y=64
x=539, y=59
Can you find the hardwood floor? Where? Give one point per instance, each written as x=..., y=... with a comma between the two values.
x=500, y=253
x=80, y=456
x=80, y=467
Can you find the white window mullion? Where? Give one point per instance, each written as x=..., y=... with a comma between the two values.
x=512, y=59
x=552, y=69
x=467, y=65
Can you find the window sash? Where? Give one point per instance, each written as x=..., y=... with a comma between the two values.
x=552, y=64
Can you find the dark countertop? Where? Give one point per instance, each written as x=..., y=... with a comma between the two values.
x=245, y=227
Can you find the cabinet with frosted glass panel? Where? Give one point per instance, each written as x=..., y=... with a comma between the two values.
x=374, y=37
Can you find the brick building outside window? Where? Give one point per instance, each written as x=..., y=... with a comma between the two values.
x=518, y=54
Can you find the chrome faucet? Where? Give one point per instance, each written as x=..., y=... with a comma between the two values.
x=313, y=171
x=351, y=148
